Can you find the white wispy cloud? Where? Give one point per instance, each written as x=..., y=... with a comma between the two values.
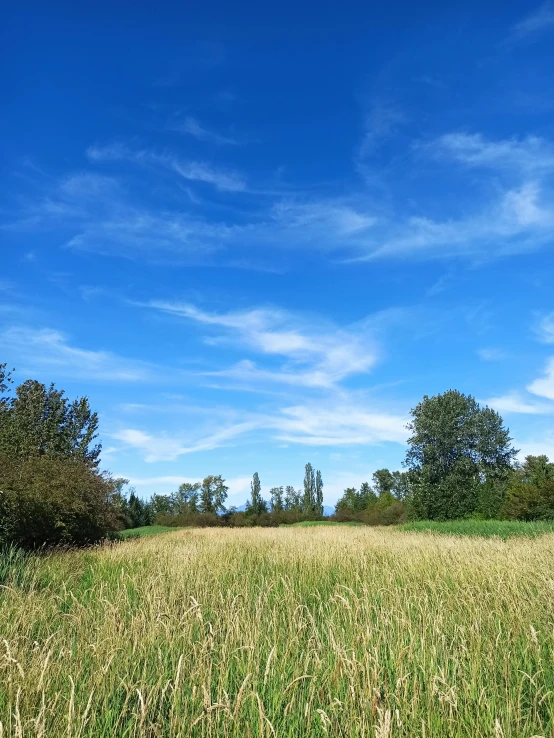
x=513, y=402
x=195, y=171
x=192, y=127
x=539, y=20
x=492, y=354
x=531, y=155
x=45, y=350
x=318, y=355
x=544, y=329
x=167, y=448
x=544, y=386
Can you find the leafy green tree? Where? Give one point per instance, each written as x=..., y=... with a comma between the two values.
x=277, y=499
x=308, y=499
x=293, y=499
x=40, y=420
x=350, y=500
x=256, y=505
x=213, y=494
x=530, y=492
x=454, y=448
x=383, y=481
x=185, y=500
x=367, y=496
x=319, y=493
x=161, y=505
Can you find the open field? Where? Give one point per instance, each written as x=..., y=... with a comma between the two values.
x=145, y=531
x=483, y=528
x=288, y=632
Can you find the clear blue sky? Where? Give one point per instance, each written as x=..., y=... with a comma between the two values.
x=256, y=235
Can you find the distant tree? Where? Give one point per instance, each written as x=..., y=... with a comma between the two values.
x=185, y=500
x=401, y=485
x=256, y=505
x=455, y=447
x=308, y=499
x=139, y=511
x=318, y=493
x=367, y=496
x=161, y=505
x=277, y=499
x=383, y=481
x=293, y=499
x=213, y=494
x=350, y=500
x=530, y=491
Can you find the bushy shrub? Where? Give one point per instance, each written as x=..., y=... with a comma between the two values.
x=51, y=501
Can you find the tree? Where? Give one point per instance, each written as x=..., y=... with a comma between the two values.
x=383, y=481
x=277, y=501
x=455, y=447
x=530, y=491
x=185, y=500
x=293, y=499
x=367, y=496
x=256, y=504
x=308, y=499
x=319, y=493
x=41, y=420
x=139, y=511
x=213, y=494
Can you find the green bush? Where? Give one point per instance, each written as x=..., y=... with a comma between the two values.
x=51, y=501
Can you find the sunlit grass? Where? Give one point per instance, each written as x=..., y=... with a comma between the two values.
x=328, y=631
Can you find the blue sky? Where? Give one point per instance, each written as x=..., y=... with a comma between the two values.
x=256, y=236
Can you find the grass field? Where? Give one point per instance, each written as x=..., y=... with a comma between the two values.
x=483, y=528
x=286, y=632
x=145, y=531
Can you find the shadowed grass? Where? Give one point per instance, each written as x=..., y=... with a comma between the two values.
x=145, y=531
x=340, y=631
x=483, y=528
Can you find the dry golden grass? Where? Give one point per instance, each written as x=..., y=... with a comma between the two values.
x=323, y=631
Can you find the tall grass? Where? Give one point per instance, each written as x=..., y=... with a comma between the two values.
x=325, y=631
x=484, y=528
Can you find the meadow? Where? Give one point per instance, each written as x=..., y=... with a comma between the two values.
x=283, y=632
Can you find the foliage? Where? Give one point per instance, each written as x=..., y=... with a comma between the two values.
x=277, y=503
x=312, y=499
x=51, y=501
x=40, y=420
x=256, y=505
x=455, y=447
x=530, y=493
x=482, y=528
x=213, y=494
x=325, y=631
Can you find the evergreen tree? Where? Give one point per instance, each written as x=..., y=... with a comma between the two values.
x=367, y=496
x=383, y=481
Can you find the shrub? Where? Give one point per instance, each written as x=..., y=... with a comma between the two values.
x=51, y=501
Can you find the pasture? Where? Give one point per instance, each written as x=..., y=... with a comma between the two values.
x=287, y=632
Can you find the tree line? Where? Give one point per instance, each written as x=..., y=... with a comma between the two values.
x=460, y=463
